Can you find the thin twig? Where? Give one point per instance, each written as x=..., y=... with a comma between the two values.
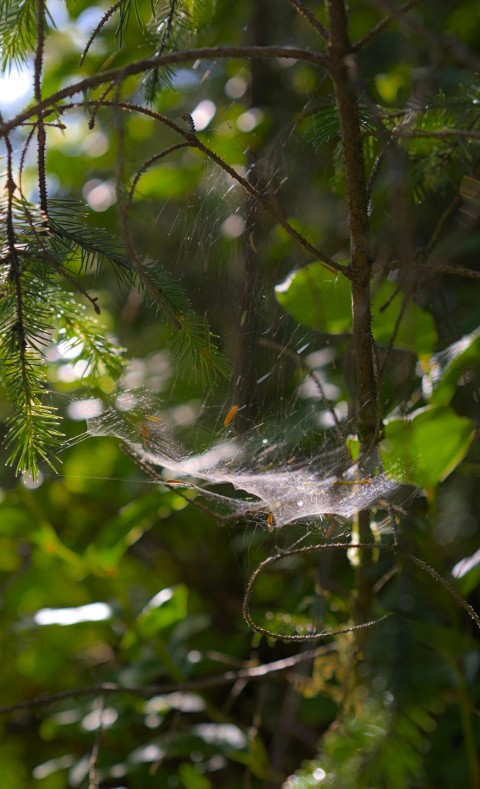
x=93, y=777
x=313, y=635
x=91, y=122
x=295, y=356
x=380, y=26
x=249, y=673
x=37, y=78
x=427, y=251
x=406, y=298
x=193, y=140
x=148, y=163
x=440, y=44
x=439, y=268
x=175, y=486
x=469, y=134
x=458, y=271
x=446, y=585
x=102, y=22
x=168, y=26
x=311, y=18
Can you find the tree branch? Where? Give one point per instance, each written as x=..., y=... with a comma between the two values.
x=192, y=139
x=314, y=23
x=248, y=673
x=37, y=80
x=312, y=634
x=172, y=58
x=342, y=73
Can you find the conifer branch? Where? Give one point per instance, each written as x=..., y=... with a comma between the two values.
x=314, y=23
x=169, y=59
x=103, y=21
x=148, y=163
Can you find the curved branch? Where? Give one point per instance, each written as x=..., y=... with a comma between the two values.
x=249, y=674
x=155, y=158
x=317, y=634
x=192, y=140
x=172, y=58
x=102, y=22
x=314, y=23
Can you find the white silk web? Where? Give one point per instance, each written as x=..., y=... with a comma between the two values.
x=326, y=485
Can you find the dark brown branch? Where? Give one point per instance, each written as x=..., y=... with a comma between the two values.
x=148, y=163
x=314, y=634
x=343, y=74
x=37, y=79
x=102, y=22
x=431, y=268
x=249, y=674
x=342, y=67
x=172, y=58
x=458, y=271
x=311, y=18
x=192, y=139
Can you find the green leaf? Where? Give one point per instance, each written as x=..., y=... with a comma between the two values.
x=446, y=368
x=321, y=300
x=416, y=331
x=317, y=298
x=423, y=448
x=166, y=608
x=191, y=779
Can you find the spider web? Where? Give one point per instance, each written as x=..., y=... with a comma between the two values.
x=276, y=475
x=328, y=484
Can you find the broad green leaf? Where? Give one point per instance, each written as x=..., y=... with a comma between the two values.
x=416, y=331
x=446, y=367
x=317, y=298
x=321, y=300
x=423, y=448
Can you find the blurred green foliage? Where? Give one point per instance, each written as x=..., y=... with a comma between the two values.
x=109, y=577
